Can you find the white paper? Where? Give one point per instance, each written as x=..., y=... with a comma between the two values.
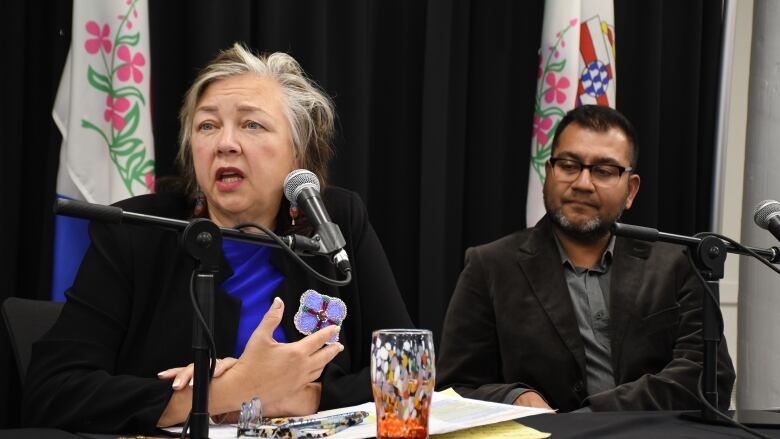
x=448, y=413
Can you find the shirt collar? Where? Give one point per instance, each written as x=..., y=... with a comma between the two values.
x=601, y=267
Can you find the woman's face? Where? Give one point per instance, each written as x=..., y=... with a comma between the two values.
x=242, y=149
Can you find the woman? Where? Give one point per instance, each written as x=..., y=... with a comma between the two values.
x=113, y=361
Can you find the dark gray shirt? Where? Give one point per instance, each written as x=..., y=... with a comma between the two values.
x=589, y=291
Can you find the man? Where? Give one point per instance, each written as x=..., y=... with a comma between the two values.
x=567, y=316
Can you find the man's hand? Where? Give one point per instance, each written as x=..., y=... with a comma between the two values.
x=532, y=399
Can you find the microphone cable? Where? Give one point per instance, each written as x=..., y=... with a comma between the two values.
x=347, y=271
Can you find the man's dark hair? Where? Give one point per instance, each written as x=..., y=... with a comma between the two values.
x=601, y=119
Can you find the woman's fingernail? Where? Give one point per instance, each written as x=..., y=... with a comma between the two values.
x=176, y=383
x=277, y=303
x=191, y=382
x=341, y=347
x=159, y=374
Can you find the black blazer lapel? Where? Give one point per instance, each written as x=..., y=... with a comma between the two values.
x=627, y=272
x=540, y=262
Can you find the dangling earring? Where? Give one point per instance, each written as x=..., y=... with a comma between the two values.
x=200, y=204
x=294, y=212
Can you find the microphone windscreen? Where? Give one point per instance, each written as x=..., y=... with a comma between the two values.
x=297, y=180
x=764, y=211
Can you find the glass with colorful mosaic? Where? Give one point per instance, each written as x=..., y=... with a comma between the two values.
x=402, y=378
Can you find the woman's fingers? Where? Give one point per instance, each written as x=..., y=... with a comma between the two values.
x=183, y=376
x=180, y=375
x=313, y=342
x=224, y=364
x=169, y=373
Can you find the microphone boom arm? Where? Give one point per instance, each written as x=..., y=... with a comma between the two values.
x=771, y=254
x=111, y=214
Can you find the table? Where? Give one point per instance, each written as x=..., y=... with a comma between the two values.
x=601, y=425
x=634, y=425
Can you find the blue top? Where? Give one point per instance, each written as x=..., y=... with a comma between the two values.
x=254, y=282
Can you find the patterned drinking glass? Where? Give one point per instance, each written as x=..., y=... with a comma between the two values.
x=402, y=379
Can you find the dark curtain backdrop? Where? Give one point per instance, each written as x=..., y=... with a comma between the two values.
x=435, y=102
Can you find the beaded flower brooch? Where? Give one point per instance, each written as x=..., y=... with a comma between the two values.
x=318, y=311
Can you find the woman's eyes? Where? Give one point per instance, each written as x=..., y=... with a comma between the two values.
x=205, y=126
x=250, y=124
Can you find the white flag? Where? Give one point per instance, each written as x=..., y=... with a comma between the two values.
x=576, y=67
x=102, y=109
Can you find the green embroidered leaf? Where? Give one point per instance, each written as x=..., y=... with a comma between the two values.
x=129, y=91
x=98, y=81
x=134, y=161
x=552, y=111
x=144, y=169
x=131, y=124
x=131, y=40
x=126, y=146
x=89, y=125
x=557, y=66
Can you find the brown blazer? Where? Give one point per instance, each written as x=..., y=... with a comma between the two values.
x=511, y=324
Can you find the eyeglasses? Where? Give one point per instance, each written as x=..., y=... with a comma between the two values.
x=602, y=175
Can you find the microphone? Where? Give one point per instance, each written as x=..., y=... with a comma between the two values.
x=767, y=216
x=302, y=188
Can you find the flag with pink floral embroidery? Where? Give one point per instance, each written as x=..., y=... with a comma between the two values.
x=102, y=109
x=576, y=67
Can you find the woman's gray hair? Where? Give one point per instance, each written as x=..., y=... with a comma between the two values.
x=309, y=110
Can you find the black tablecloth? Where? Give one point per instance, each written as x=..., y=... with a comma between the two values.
x=634, y=425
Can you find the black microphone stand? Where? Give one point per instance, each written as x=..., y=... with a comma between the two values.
x=709, y=256
x=202, y=240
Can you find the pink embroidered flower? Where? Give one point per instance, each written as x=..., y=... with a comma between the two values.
x=101, y=38
x=555, y=92
x=150, y=181
x=541, y=126
x=112, y=113
x=133, y=64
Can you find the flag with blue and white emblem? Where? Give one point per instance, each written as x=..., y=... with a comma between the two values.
x=576, y=67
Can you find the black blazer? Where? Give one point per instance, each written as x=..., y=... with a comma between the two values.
x=511, y=324
x=128, y=317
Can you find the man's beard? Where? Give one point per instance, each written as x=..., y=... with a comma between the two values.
x=589, y=232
